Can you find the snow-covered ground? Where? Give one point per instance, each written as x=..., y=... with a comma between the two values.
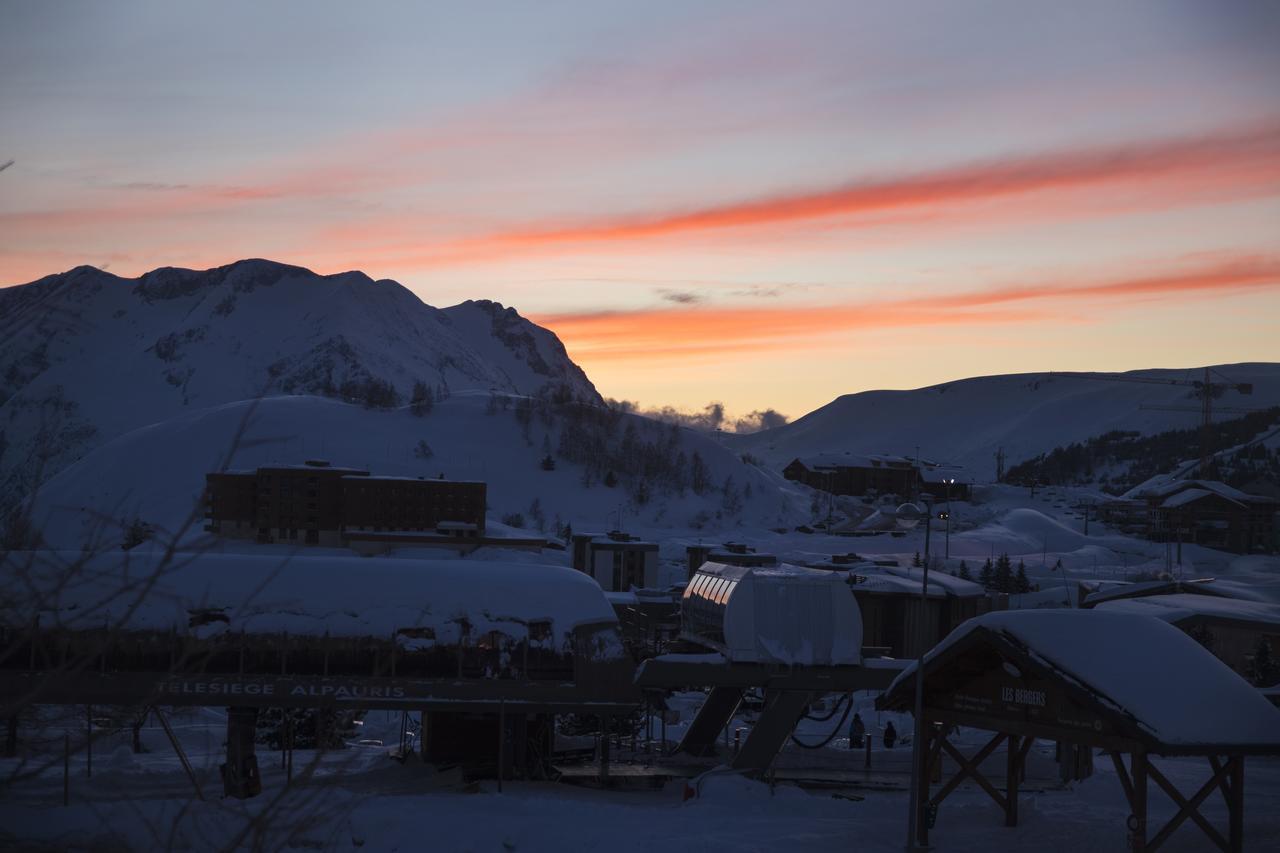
x=358, y=798
x=157, y=473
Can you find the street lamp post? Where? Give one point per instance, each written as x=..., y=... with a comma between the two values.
x=948, y=483
x=909, y=516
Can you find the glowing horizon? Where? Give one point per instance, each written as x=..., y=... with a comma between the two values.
x=737, y=202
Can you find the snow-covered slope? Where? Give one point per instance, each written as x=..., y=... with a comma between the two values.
x=86, y=356
x=966, y=422
x=156, y=473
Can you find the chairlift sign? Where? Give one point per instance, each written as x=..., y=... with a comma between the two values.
x=998, y=695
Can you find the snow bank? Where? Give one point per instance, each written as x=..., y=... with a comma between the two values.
x=342, y=596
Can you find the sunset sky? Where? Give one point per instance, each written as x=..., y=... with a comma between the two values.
x=766, y=204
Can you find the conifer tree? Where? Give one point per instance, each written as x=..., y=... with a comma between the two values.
x=1004, y=574
x=915, y=561
x=1021, y=583
x=987, y=576
x=964, y=571
x=699, y=474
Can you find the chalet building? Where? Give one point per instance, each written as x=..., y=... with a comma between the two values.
x=619, y=562
x=729, y=554
x=850, y=474
x=447, y=507
x=889, y=599
x=1201, y=512
x=1213, y=514
x=320, y=504
x=1230, y=628
x=861, y=475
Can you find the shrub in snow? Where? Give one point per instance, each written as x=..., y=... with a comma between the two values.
x=307, y=728
x=423, y=399
x=513, y=519
x=137, y=532
x=1264, y=669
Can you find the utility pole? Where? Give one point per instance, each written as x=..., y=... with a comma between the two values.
x=910, y=514
x=1205, y=389
x=947, y=554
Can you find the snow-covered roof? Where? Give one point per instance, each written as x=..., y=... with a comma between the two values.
x=340, y=595
x=1180, y=606
x=1166, y=486
x=1188, y=496
x=882, y=581
x=1195, y=586
x=377, y=478
x=608, y=542
x=900, y=579
x=1173, y=688
x=327, y=469
x=854, y=460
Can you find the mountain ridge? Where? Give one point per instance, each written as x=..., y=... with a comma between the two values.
x=87, y=355
x=965, y=422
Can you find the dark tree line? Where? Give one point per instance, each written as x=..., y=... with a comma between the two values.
x=1001, y=576
x=1119, y=460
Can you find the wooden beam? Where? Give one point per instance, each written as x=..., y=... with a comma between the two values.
x=1036, y=730
x=1225, y=784
x=1012, y=772
x=1235, y=806
x=1139, y=827
x=1187, y=809
x=177, y=748
x=969, y=767
x=1123, y=775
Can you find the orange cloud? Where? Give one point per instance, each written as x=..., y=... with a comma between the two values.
x=1239, y=159
x=709, y=331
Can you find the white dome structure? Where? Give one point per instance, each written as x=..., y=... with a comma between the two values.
x=776, y=614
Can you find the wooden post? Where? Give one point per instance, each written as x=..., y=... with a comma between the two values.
x=867, y=741
x=1012, y=772
x=178, y=750
x=138, y=723
x=11, y=737
x=35, y=640
x=1139, y=819
x=604, y=748
x=1235, y=811
x=66, y=768
x=502, y=739
x=922, y=795
x=88, y=741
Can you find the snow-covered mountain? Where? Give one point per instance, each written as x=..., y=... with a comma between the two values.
x=157, y=473
x=968, y=421
x=86, y=356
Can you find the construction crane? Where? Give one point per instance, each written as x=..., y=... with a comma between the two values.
x=1206, y=389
